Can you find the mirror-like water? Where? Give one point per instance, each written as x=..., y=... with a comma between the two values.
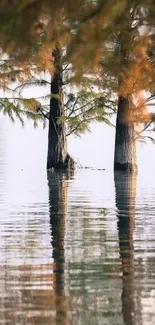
x=74, y=250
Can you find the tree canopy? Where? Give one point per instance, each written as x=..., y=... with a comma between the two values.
x=113, y=41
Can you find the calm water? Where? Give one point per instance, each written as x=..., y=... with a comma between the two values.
x=73, y=250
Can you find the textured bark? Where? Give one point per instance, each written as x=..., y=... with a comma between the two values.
x=57, y=157
x=125, y=144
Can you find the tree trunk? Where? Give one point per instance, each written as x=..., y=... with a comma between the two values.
x=58, y=157
x=125, y=144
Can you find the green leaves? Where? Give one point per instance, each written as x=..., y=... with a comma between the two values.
x=85, y=106
x=30, y=104
x=13, y=109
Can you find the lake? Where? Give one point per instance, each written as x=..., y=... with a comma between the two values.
x=75, y=249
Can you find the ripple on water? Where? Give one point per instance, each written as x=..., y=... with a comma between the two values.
x=78, y=250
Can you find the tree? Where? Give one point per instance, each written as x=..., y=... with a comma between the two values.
x=57, y=158
x=112, y=40
x=34, y=55
x=82, y=108
x=120, y=45
x=76, y=106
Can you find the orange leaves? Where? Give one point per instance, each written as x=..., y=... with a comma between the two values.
x=44, y=61
x=138, y=73
x=91, y=42
x=135, y=78
x=136, y=110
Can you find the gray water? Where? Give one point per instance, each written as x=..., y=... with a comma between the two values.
x=74, y=249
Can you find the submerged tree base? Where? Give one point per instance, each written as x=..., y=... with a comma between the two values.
x=67, y=164
x=125, y=167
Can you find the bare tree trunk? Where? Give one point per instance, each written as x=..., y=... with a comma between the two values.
x=125, y=144
x=57, y=157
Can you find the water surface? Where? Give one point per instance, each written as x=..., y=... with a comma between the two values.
x=74, y=249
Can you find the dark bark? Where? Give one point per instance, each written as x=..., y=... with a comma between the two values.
x=125, y=144
x=57, y=158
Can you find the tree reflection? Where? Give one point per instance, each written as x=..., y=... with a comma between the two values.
x=125, y=185
x=58, y=203
x=32, y=284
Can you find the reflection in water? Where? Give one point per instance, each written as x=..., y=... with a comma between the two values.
x=32, y=261
x=76, y=260
x=93, y=265
x=58, y=205
x=125, y=185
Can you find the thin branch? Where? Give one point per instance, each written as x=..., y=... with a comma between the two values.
x=65, y=67
x=73, y=130
x=138, y=133
x=31, y=83
x=42, y=113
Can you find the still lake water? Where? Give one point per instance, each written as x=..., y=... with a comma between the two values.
x=80, y=249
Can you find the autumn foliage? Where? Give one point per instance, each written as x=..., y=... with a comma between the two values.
x=113, y=41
